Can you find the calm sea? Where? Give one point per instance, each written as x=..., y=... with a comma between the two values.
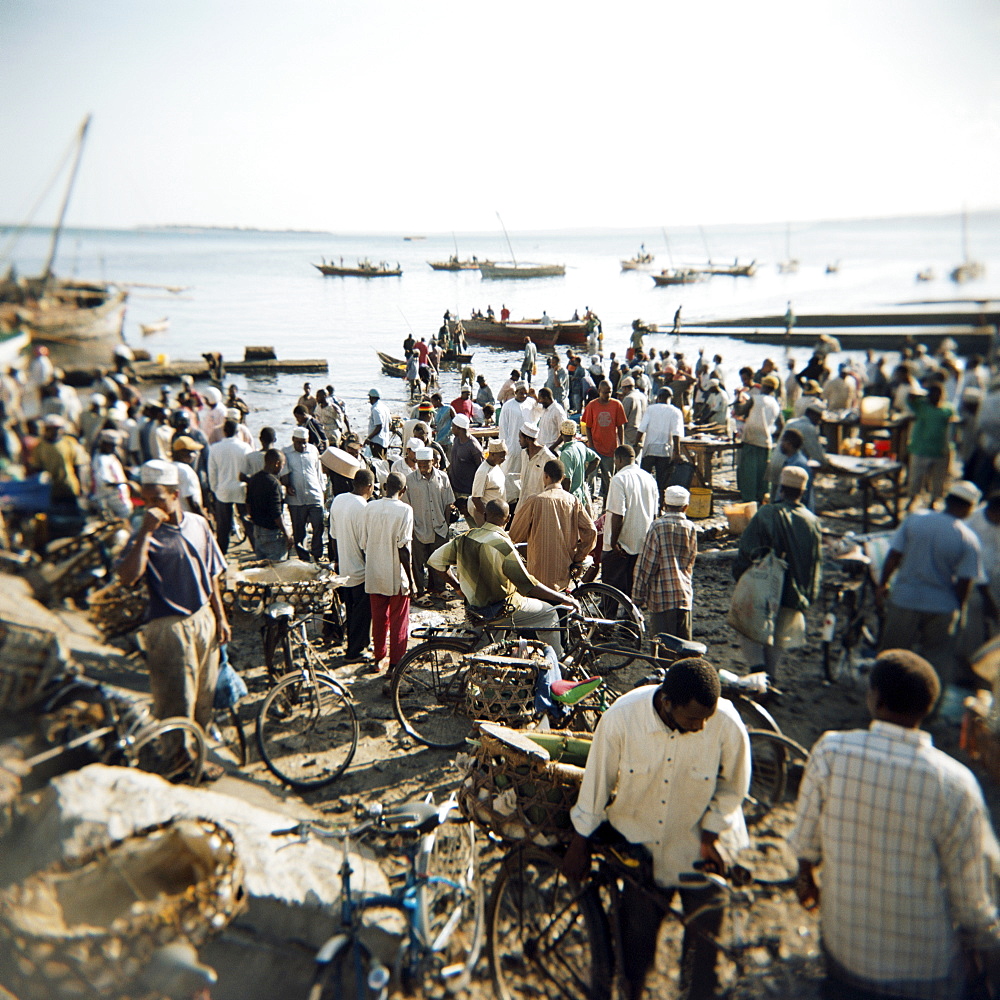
x=260, y=288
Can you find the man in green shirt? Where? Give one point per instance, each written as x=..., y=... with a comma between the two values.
x=929, y=447
x=792, y=531
x=579, y=461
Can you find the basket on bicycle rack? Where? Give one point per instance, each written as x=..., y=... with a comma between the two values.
x=117, y=609
x=86, y=926
x=521, y=785
x=304, y=585
x=501, y=680
x=29, y=658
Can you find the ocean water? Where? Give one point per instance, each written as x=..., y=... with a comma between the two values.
x=248, y=288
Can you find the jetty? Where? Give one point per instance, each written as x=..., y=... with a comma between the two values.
x=212, y=366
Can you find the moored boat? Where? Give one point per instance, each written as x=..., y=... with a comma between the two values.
x=679, y=276
x=496, y=271
x=492, y=331
x=157, y=326
x=454, y=264
x=639, y=262
x=392, y=366
x=364, y=269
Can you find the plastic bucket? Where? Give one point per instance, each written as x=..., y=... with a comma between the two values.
x=739, y=515
x=700, y=504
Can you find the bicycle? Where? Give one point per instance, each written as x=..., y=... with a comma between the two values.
x=550, y=936
x=307, y=728
x=173, y=748
x=429, y=684
x=440, y=901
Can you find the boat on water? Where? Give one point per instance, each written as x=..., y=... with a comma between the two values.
x=790, y=265
x=157, y=326
x=734, y=270
x=833, y=268
x=642, y=260
x=679, y=276
x=454, y=264
x=80, y=322
x=493, y=331
x=969, y=269
x=391, y=366
x=495, y=271
x=927, y=274
x=365, y=269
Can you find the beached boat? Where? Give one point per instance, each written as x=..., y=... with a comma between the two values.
x=492, y=331
x=679, y=276
x=79, y=322
x=454, y=264
x=495, y=271
x=157, y=326
x=392, y=366
x=364, y=269
x=569, y=331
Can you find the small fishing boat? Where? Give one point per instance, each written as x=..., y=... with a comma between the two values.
x=157, y=326
x=494, y=271
x=833, y=268
x=927, y=274
x=734, y=270
x=969, y=269
x=642, y=260
x=790, y=265
x=364, y=269
x=679, y=276
x=454, y=264
x=492, y=331
x=392, y=366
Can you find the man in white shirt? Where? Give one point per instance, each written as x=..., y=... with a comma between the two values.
x=385, y=539
x=225, y=465
x=904, y=840
x=514, y=414
x=659, y=435
x=429, y=493
x=529, y=360
x=185, y=454
x=303, y=480
x=111, y=492
x=668, y=770
x=407, y=462
x=379, y=420
x=347, y=519
x=550, y=419
x=490, y=482
x=633, y=502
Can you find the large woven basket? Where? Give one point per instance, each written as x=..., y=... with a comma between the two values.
x=519, y=793
x=117, y=609
x=256, y=585
x=85, y=927
x=29, y=658
x=501, y=680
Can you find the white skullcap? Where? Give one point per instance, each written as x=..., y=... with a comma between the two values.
x=676, y=496
x=300, y=434
x=461, y=420
x=415, y=444
x=213, y=395
x=159, y=473
x=425, y=454
x=964, y=490
x=233, y=414
x=530, y=430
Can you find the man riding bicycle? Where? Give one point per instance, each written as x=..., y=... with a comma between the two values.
x=495, y=582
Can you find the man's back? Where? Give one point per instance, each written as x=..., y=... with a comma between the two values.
x=558, y=531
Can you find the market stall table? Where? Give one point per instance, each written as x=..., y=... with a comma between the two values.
x=699, y=451
x=879, y=479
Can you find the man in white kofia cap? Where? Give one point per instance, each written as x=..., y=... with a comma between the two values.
x=174, y=552
x=662, y=581
x=429, y=493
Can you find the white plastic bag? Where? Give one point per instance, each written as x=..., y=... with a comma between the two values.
x=757, y=599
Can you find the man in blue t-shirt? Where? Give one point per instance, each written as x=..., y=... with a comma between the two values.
x=938, y=559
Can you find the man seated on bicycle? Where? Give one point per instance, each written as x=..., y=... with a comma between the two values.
x=494, y=580
x=673, y=761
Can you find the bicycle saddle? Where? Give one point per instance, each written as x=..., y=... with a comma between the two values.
x=570, y=692
x=682, y=647
x=280, y=609
x=419, y=817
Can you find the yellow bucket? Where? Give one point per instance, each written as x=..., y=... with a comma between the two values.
x=740, y=515
x=700, y=504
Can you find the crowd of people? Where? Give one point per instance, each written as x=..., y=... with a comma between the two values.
x=584, y=467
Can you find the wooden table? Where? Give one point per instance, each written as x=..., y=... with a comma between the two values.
x=899, y=433
x=879, y=479
x=700, y=451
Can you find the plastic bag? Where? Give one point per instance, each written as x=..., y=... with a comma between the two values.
x=230, y=687
x=756, y=599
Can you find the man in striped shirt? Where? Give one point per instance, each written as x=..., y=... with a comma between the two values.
x=662, y=580
x=907, y=851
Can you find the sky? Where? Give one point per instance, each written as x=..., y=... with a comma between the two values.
x=431, y=117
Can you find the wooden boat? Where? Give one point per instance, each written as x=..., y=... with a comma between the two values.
x=454, y=264
x=833, y=268
x=157, y=326
x=79, y=322
x=678, y=276
x=790, y=265
x=494, y=271
x=392, y=366
x=492, y=331
x=365, y=269
x=927, y=274
x=638, y=263
x=734, y=270
x=968, y=270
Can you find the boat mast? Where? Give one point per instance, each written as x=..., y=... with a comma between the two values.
x=509, y=247
x=670, y=256
x=57, y=232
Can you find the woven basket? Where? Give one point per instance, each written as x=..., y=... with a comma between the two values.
x=29, y=658
x=84, y=928
x=517, y=796
x=260, y=583
x=117, y=609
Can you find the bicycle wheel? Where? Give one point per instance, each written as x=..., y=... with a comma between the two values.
x=547, y=937
x=173, y=748
x=452, y=916
x=428, y=693
x=598, y=600
x=753, y=715
x=771, y=754
x=227, y=733
x=307, y=730
x=352, y=972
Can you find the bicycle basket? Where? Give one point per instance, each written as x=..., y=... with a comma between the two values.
x=501, y=679
x=521, y=785
x=304, y=585
x=29, y=658
x=85, y=927
x=117, y=609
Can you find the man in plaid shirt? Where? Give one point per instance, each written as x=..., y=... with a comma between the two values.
x=662, y=580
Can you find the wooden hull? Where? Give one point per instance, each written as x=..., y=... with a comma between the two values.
x=358, y=272
x=148, y=329
x=174, y=370
x=460, y=265
x=77, y=337
x=508, y=334
x=678, y=277
x=497, y=272
x=638, y=264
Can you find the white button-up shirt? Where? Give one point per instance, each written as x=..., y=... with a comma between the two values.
x=660, y=424
x=305, y=475
x=347, y=518
x=634, y=495
x=430, y=499
x=388, y=527
x=668, y=786
x=550, y=424
x=225, y=463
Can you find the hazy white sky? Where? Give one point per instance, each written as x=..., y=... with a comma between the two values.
x=424, y=117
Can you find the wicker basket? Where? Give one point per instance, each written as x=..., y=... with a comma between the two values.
x=500, y=683
x=117, y=609
x=84, y=928
x=258, y=584
x=517, y=793
x=29, y=658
